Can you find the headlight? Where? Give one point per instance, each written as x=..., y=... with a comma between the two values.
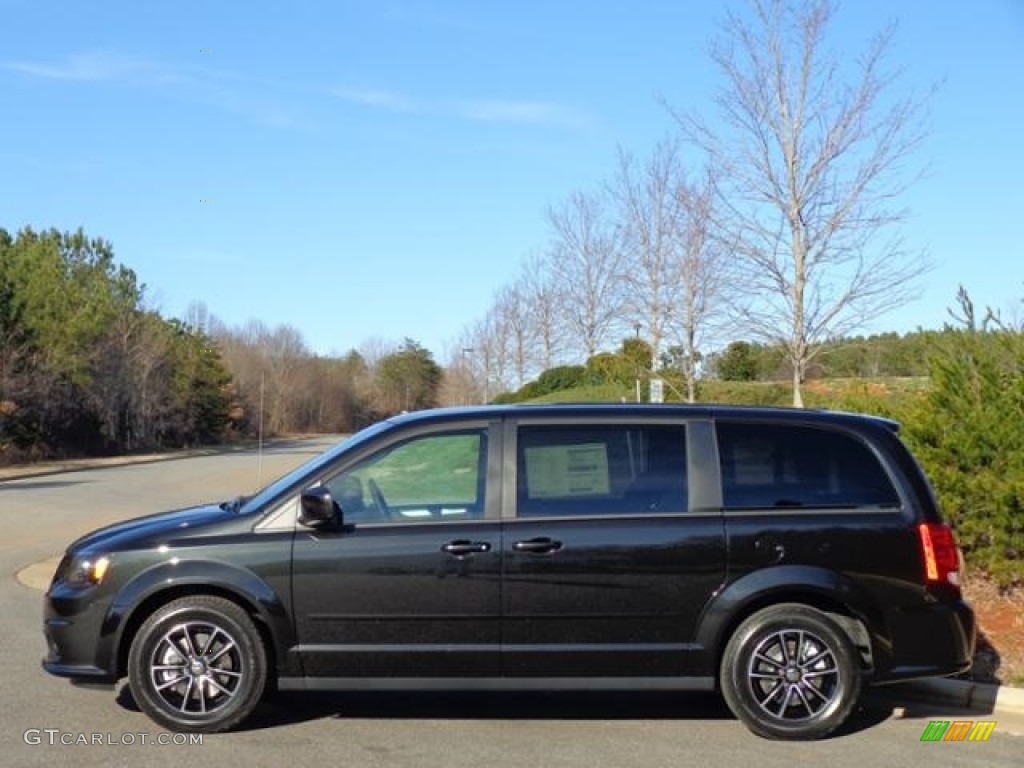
x=87, y=570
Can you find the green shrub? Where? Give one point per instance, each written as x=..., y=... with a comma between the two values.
x=968, y=433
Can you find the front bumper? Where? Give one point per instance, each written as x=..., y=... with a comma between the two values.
x=79, y=640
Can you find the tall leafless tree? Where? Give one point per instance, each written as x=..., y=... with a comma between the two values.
x=537, y=287
x=484, y=349
x=649, y=213
x=814, y=146
x=586, y=265
x=512, y=316
x=703, y=276
x=458, y=385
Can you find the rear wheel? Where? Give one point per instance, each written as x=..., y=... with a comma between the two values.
x=198, y=664
x=790, y=672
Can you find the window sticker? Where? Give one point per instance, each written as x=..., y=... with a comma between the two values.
x=555, y=471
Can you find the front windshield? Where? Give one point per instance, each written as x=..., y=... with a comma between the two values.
x=310, y=468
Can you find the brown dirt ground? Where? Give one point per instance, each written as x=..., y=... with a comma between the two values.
x=1000, y=615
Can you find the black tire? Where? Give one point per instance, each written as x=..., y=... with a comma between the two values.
x=790, y=672
x=198, y=665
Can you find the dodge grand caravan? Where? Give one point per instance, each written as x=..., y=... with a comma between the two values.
x=786, y=558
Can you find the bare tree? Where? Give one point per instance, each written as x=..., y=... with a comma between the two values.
x=458, y=386
x=586, y=265
x=517, y=319
x=537, y=286
x=482, y=357
x=197, y=317
x=649, y=214
x=493, y=341
x=813, y=147
x=703, y=274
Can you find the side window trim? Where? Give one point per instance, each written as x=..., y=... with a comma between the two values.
x=509, y=472
x=703, y=469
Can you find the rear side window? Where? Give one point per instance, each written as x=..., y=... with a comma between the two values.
x=777, y=466
x=613, y=469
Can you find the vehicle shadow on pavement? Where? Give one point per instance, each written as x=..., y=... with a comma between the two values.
x=284, y=709
x=910, y=708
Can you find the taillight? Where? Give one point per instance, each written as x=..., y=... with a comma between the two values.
x=940, y=553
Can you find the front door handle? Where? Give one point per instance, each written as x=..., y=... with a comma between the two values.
x=539, y=546
x=463, y=547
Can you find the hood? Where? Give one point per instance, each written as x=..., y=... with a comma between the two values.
x=142, y=531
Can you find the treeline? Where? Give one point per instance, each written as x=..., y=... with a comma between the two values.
x=885, y=354
x=85, y=368
x=283, y=387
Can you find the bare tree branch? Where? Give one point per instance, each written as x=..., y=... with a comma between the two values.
x=813, y=157
x=586, y=264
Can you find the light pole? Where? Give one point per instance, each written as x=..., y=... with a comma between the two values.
x=468, y=371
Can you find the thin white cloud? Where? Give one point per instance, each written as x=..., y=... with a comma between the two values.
x=482, y=110
x=211, y=87
x=378, y=98
x=88, y=67
x=253, y=101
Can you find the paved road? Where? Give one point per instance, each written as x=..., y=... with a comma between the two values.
x=40, y=516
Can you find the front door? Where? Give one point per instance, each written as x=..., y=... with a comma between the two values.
x=408, y=585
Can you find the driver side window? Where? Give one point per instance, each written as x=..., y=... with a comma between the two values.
x=434, y=477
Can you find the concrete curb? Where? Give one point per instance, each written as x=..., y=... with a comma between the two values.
x=979, y=697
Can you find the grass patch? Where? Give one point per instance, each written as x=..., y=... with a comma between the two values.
x=599, y=393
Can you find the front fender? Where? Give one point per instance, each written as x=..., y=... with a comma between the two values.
x=813, y=585
x=137, y=598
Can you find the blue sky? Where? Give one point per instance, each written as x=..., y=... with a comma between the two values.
x=375, y=169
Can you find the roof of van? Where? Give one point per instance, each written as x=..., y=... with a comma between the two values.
x=633, y=410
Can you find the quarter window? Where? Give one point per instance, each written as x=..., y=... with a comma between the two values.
x=774, y=466
x=434, y=477
x=570, y=470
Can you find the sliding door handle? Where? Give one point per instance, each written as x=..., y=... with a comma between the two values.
x=538, y=546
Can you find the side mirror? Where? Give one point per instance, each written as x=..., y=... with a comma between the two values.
x=317, y=508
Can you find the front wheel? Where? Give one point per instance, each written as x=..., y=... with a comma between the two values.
x=790, y=672
x=198, y=665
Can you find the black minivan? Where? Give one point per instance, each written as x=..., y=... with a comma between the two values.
x=784, y=557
